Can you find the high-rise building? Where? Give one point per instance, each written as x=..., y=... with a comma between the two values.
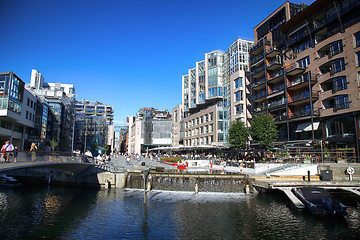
x=93, y=125
x=214, y=93
x=305, y=73
x=150, y=128
x=61, y=99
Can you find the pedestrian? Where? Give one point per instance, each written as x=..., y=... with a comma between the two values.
x=15, y=152
x=6, y=149
x=33, y=149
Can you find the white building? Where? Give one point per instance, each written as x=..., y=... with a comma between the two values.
x=150, y=128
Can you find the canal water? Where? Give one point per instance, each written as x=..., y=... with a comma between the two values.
x=76, y=213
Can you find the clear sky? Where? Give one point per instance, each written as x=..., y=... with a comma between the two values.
x=128, y=54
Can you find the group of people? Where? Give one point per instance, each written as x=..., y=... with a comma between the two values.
x=8, y=150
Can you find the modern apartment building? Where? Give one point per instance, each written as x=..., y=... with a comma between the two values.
x=93, y=125
x=214, y=93
x=268, y=77
x=94, y=108
x=17, y=110
x=305, y=73
x=150, y=128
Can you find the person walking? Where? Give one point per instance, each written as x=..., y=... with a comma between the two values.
x=15, y=152
x=33, y=149
x=6, y=149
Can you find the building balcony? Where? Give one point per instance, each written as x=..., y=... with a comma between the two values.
x=259, y=97
x=258, y=72
x=302, y=82
x=272, y=52
x=260, y=110
x=277, y=76
x=258, y=48
x=274, y=64
x=280, y=117
x=255, y=60
x=257, y=84
x=276, y=104
x=303, y=97
x=294, y=69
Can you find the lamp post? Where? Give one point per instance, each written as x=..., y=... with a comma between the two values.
x=321, y=147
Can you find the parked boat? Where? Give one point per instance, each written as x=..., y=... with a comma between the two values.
x=319, y=201
x=8, y=182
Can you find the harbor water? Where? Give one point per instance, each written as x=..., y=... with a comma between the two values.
x=77, y=213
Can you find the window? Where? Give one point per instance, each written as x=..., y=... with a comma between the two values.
x=28, y=102
x=357, y=39
x=304, y=63
x=336, y=48
x=340, y=127
x=238, y=109
x=341, y=102
x=359, y=78
x=238, y=82
x=339, y=83
x=337, y=65
x=27, y=115
x=358, y=58
x=238, y=96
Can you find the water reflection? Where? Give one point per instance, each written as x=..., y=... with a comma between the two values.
x=65, y=213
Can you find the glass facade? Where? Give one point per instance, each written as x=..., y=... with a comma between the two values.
x=11, y=92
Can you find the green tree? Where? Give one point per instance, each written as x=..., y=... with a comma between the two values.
x=53, y=144
x=238, y=134
x=263, y=130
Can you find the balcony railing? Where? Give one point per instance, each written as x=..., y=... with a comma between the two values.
x=254, y=59
x=293, y=67
x=257, y=83
x=259, y=44
x=277, y=74
x=278, y=88
x=276, y=103
x=274, y=62
x=259, y=95
x=258, y=70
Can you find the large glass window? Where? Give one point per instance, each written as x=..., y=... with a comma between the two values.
x=339, y=83
x=238, y=82
x=238, y=109
x=340, y=127
x=336, y=48
x=304, y=62
x=341, y=102
x=238, y=96
x=337, y=65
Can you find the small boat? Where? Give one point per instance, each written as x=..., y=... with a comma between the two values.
x=319, y=201
x=8, y=182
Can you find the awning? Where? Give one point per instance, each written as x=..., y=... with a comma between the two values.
x=304, y=127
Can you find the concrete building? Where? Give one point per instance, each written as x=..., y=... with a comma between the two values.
x=150, y=128
x=305, y=73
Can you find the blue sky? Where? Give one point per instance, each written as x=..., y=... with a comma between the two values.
x=129, y=54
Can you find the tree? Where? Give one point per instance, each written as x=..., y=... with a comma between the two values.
x=238, y=134
x=264, y=131
x=53, y=144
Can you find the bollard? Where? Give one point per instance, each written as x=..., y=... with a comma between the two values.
x=308, y=176
x=196, y=188
x=247, y=189
x=148, y=186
